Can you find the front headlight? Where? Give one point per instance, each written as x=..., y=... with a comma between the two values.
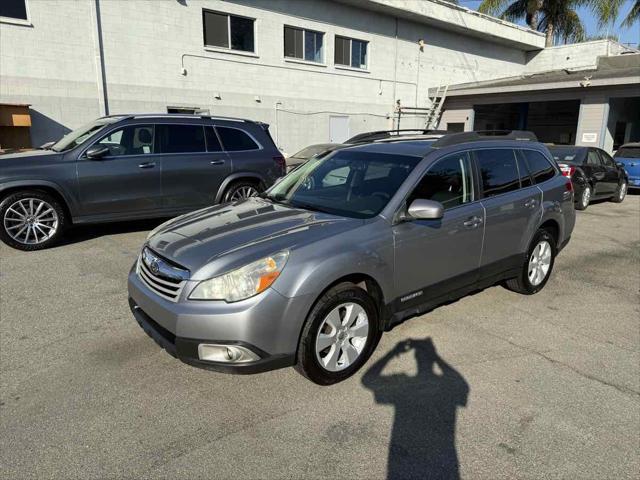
x=244, y=282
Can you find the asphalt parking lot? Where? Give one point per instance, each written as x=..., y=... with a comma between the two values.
x=496, y=385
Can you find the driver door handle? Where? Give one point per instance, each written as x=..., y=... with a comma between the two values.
x=216, y=162
x=147, y=165
x=473, y=222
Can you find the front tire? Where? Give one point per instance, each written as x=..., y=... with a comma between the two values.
x=31, y=220
x=537, y=265
x=585, y=198
x=339, y=335
x=621, y=192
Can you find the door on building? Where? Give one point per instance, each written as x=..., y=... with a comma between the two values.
x=338, y=129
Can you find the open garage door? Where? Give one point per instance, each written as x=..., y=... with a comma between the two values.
x=552, y=122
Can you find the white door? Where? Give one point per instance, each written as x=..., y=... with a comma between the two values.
x=338, y=129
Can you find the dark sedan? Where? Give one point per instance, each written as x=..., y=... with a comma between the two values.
x=594, y=174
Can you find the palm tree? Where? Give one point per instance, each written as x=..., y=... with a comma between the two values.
x=607, y=12
x=558, y=19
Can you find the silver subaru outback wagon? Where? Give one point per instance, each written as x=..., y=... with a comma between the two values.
x=312, y=272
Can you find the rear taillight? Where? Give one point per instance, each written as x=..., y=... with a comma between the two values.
x=280, y=161
x=569, y=185
x=567, y=170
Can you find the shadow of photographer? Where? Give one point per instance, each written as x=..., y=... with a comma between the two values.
x=423, y=436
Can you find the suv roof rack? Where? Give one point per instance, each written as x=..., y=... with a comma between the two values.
x=479, y=135
x=176, y=115
x=381, y=134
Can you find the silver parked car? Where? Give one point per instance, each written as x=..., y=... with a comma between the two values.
x=312, y=272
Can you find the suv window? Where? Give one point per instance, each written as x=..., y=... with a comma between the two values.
x=498, y=171
x=213, y=144
x=449, y=181
x=606, y=159
x=235, y=140
x=180, y=138
x=593, y=159
x=539, y=166
x=130, y=140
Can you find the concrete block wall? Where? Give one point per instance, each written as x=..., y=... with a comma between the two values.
x=54, y=65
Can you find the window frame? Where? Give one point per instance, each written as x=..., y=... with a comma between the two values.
x=83, y=155
x=350, y=66
x=224, y=148
x=19, y=21
x=323, y=60
x=475, y=182
x=229, y=49
x=476, y=162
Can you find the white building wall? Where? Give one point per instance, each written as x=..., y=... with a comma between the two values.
x=53, y=64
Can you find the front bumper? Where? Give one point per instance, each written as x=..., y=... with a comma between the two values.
x=268, y=325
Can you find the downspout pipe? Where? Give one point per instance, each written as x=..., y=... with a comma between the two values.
x=103, y=73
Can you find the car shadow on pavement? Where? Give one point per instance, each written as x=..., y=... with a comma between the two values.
x=423, y=435
x=82, y=233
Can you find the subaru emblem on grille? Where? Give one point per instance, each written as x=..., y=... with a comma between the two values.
x=154, y=267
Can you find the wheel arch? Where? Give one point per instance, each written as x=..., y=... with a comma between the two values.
x=236, y=177
x=553, y=227
x=43, y=186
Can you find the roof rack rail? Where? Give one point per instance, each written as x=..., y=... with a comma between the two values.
x=176, y=115
x=479, y=135
x=380, y=134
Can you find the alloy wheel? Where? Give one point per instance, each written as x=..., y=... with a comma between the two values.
x=243, y=192
x=342, y=337
x=30, y=221
x=586, y=197
x=539, y=263
x=622, y=191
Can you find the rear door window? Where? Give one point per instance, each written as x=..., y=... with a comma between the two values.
x=449, y=181
x=498, y=171
x=539, y=166
x=235, y=140
x=180, y=138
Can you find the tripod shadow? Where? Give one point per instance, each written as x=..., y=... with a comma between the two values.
x=423, y=436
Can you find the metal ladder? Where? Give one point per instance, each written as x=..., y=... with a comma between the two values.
x=433, y=116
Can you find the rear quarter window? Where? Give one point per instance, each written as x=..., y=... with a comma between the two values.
x=540, y=167
x=235, y=140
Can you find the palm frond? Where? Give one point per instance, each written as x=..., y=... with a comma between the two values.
x=493, y=7
x=633, y=16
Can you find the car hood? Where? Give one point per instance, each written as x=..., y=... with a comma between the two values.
x=223, y=237
x=30, y=157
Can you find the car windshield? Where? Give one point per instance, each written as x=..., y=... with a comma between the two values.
x=566, y=155
x=310, y=151
x=628, y=152
x=348, y=183
x=79, y=135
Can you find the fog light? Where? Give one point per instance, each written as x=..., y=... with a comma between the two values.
x=226, y=353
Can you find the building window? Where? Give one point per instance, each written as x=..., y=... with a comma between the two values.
x=303, y=44
x=228, y=31
x=14, y=9
x=350, y=52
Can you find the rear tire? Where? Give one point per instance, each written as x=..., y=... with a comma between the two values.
x=31, y=220
x=241, y=190
x=329, y=354
x=621, y=192
x=585, y=198
x=537, y=265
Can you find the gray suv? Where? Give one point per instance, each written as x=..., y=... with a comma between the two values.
x=312, y=272
x=129, y=167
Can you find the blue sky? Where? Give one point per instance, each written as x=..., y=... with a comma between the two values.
x=629, y=35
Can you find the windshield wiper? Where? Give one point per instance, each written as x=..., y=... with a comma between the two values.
x=313, y=208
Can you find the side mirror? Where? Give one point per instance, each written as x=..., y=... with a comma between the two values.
x=96, y=152
x=425, y=210
x=620, y=164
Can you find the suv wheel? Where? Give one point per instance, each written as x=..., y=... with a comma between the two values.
x=537, y=265
x=621, y=192
x=241, y=191
x=31, y=220
x=585, y=198
x=340, y=334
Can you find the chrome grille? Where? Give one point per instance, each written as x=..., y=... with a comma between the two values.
x=162, y=278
